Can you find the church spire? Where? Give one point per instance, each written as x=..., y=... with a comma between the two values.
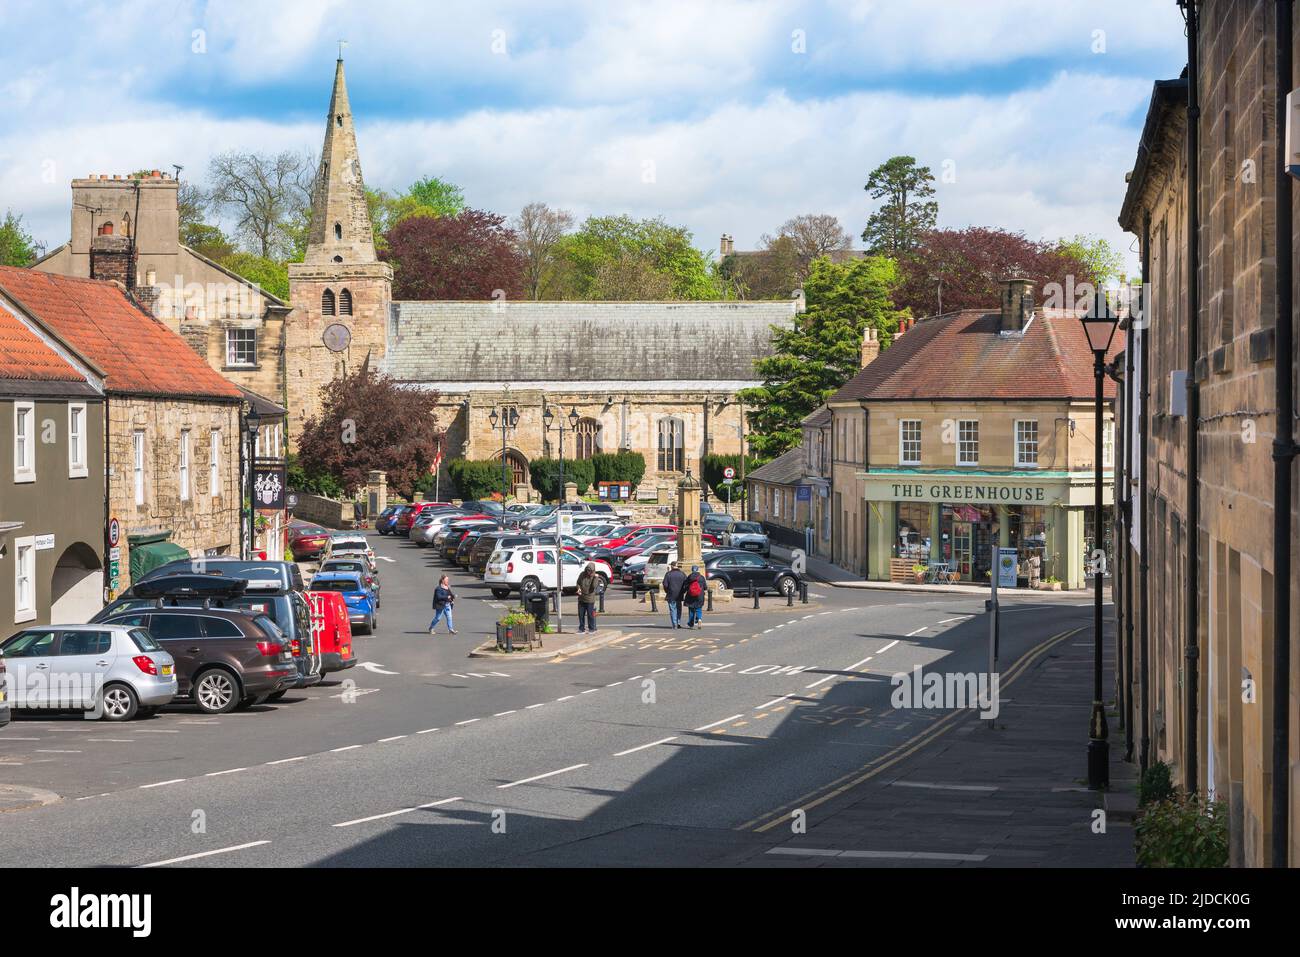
x=340, y=222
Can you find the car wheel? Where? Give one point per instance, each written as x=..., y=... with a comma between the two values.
x=216, y=691
x=500, y=592
x=786, y=585
x=601, y=583
x=530, y=585
x=119, y=703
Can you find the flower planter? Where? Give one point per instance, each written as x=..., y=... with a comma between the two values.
x=515, y=637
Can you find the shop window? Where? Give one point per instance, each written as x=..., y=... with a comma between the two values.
x=968, y=442
x=909, y=442
x=1026, y=443
x=913, y=536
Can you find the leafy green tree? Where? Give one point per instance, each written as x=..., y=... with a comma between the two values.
x=476, y=478
x=712, y=472
x=17, y=247
x=1102, y=261
x=545, y=476
x=270, y=275
x=618, y=257
x=822, y=350
x=207, y=241
x=430, y=197
x=906, y=211
x=314, y=482
x=622, y=466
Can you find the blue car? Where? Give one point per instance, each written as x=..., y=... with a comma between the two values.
x=360, y=600
x=386, y=522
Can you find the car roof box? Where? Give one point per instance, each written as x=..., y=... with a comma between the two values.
x=200, y=586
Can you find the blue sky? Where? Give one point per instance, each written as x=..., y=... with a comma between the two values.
x=724, y=117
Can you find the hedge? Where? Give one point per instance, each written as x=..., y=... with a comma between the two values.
x=545, y=476
x=619, y=467
x=476, y=479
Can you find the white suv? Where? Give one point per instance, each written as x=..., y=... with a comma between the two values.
x=528, y=569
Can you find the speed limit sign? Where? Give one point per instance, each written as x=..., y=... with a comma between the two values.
x=729, y=472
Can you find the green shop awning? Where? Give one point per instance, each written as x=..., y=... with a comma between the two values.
x=148, y=551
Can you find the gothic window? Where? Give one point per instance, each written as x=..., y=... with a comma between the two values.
x=327, y=302
x=585, y=435
x=345, y=303
x=338, y=231
x=672, y=445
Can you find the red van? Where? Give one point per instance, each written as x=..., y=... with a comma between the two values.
x=329, y=622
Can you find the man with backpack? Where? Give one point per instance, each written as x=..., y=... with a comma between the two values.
x=674, y=590
x=696, y=591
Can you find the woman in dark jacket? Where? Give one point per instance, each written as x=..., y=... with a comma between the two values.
x=443, y=599
x=694, y=594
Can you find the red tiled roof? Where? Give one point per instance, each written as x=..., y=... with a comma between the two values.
x=24, y=355
x=963, y=356
x=137, y=353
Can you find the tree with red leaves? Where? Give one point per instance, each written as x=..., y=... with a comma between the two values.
x=367, y=421
x=467, y=256
x=963, y=267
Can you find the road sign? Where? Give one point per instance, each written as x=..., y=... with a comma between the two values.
x=729, y=473
x=114, y=532
x=565, y=523
x=1007, y=567
x=803, y=493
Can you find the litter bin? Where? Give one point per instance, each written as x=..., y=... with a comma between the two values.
x=538, y=604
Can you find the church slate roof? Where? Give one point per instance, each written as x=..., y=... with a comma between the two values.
x=521, y=342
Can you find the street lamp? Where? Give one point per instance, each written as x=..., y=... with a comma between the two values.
x=1099, y=325
x=548, y=419
x=509, y=418
x=252, y=423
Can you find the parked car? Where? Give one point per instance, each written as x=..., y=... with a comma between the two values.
x=530, y=569
x=749, y=536
x=225, y=658
x=490, y=541
x=482, y=505
x=715, y=523
x=356, y=564
x=332, y=626
x=387, y=519
x=743, y=571
x=119, y=670
x=427, y=527
x=624, y=534
x=649, y=568
x=414, y=511
x=637, y=546
x=348, y=543
x=466, y=545
x=285, y=575
x=307, y=540
x=453, y=534
x=361, y=604
x=4, y=692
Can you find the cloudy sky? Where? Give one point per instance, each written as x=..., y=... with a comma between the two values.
x=721, y=116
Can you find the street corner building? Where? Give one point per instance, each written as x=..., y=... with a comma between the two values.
x=1206, y=590
x=51, y=474
x=170, y=453
x=974, y=430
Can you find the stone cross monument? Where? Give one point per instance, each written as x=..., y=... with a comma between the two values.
x=688, y=522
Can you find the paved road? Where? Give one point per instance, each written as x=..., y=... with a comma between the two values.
x=663, y=748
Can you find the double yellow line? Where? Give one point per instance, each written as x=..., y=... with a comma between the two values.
x=880, y=763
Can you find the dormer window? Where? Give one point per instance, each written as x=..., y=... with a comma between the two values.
x=327, y=302
x=338, y=231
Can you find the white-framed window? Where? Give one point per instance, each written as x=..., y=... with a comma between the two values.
x=1108, y=444
x=776, y=502
x=185, y=465
x=214, y=463
x=24, y=579
x=77, y=440
x=137, y=450
x=1026, y=443
x=968, y=441
x=909, y=442
x=241, y=347
x=24, y=442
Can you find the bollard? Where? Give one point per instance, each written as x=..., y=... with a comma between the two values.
x=753, y=590
x=789, y=598
x=709, y=599
x=602, y=601
x=654, y=599
x=803, y=592
x=555, y=601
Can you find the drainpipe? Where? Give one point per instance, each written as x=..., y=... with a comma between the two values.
x=1284, y=453
x=108, y=490
x=1126, y=514
x=1144, y=678
x=1192, y=604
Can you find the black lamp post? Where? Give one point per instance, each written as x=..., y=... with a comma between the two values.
x=509, y=418
x=1099, y=325
x=252, y=423
x=548, y=419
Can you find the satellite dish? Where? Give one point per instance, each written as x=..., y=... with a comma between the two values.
x=336, y=337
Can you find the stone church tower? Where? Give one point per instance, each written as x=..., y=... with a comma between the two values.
x=341, y=281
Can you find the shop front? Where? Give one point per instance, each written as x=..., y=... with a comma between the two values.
x=950, y=522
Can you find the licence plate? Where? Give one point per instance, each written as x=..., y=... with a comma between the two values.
x=752, y=545
x=167, y=669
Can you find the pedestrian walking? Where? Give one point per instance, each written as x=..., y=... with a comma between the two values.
x=674, y=590
x=443, y=600
x=588, y=587
x=696, y=591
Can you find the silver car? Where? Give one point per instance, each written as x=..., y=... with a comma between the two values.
x=423, y=532
x=112, y=671
x=749, y=536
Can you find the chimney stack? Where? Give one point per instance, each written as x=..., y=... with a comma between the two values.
x=1017, y=305
x=870, y=346
x=726, y=246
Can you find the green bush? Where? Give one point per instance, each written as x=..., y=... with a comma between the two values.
x=513, y=618
x=711, y=474
x=313, y=483
x=1183, y=831
x=545, y=476
x=618, y=467
x=1156, y=784
x=476, y=478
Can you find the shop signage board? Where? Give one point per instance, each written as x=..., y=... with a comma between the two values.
x=803, y=493
x=1007, y=567
x=948, y=490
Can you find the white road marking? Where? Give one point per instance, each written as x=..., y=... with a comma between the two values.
x=644, y=746
x=657, y=670
x=8, y=738
x=217, y=774
x=301, y=757
x=851, y=667
x=772, y=702
x=396, y=737
x=565, y=698
x=385, y=558
x=159, y=784
x=54, y=751
x=405, y=810
x=548, y=774
x=911, y=634
x=376, y=668
x=876, y=855
x=888, y=646
x=958, y=618
x=195, y=857
x=427, y=731
x=942, y=787
x=353, y=693
x=158, y=731
x=591, y=691
x=502, y=714
x=112, y=740
x=499, y=674
x=613, y=684
x=454, y=675
x=716, y=723
x=466, y=721
x=531, y=706
x=350, y=747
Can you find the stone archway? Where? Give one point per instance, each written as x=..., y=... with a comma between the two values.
x=77, y=585
x=517, y=463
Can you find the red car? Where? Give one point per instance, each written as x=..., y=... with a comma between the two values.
x=629, y=532
x=307, y=540
x=408, y=517
x=332, y=630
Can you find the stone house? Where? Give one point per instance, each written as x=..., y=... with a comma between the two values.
x=1207, y=591
x=51, y=476
x=172, y=424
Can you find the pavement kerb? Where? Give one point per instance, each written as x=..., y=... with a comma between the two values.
x=602, y=637
x=15, y=797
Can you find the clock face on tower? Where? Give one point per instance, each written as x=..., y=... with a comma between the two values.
x=336, y=337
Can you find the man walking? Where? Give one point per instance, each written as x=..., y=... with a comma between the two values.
x=674, y=589
x=443, y=599
x=588, y=585
x=696, y=590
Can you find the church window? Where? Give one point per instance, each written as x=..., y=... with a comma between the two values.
x=585, y=435
x=338, y=119
x=338, y=231
x=327, y=302
x=345, y=303
x=672, y=445
x=338, y=259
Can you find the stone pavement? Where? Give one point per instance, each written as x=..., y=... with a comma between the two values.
x=1013, y=795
